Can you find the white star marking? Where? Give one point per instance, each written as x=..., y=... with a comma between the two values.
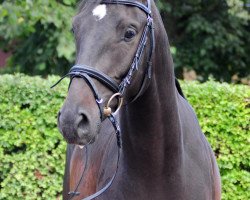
x=100, y=12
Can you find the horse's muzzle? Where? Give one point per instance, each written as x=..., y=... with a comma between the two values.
x=76, y=127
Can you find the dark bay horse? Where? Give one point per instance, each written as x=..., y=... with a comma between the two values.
x=122, y=48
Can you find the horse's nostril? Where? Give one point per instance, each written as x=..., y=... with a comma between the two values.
x=84, y=119
x=83, y=125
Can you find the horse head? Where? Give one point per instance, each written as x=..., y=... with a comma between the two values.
x=110, y=43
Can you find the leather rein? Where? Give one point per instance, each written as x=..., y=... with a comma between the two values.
x=87, y=72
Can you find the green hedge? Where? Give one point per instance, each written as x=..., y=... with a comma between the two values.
x=223, y=111
x=32, y=152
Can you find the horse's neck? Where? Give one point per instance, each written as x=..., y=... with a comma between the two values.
x=150, y=126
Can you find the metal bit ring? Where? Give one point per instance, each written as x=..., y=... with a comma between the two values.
x=107, y=111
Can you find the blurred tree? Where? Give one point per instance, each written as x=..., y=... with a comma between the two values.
x=211, y=37
x=37, y=32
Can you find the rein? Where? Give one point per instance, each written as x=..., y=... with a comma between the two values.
x=86, y=72
x=98, y=193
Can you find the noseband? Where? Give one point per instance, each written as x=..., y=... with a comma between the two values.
x=87, y=72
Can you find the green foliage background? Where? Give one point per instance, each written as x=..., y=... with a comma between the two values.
x=211, y=37
x=32, y=152
x=38, y=34
x=31, y=149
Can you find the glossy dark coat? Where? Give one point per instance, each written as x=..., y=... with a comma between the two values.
x=165, y=155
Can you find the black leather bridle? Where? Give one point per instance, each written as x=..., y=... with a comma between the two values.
x=87, y=72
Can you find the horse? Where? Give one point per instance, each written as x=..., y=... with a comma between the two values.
x=131, y=133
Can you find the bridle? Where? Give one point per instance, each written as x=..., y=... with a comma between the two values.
x=87, y=72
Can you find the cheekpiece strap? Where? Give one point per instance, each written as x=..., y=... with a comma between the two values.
x=138, y=56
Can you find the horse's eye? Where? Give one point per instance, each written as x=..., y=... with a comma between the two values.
x=130, y=33
x=72, y=30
